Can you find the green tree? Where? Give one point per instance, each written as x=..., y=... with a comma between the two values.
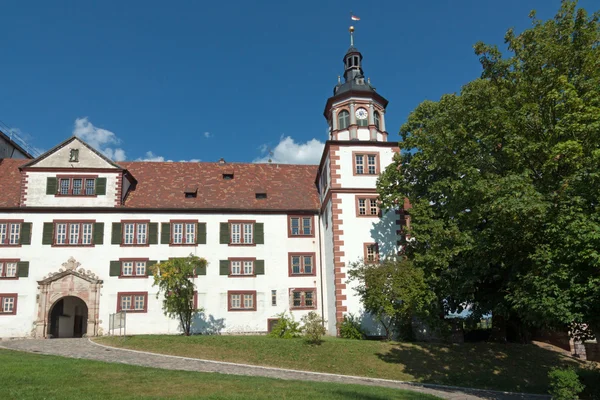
x=393, y=291
x=504, y=178
x=174, y=281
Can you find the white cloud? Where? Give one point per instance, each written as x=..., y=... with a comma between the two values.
x=288, y=151
x=150, y=156
x=207, y=135
x=98, y=138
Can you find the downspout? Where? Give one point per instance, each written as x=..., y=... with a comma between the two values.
x=321, y=273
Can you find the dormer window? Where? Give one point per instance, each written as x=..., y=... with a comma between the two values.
x=260, y=196
x=343, y=119
x=76, y=185
x=227, y=177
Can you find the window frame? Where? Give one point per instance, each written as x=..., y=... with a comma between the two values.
x=3, y=263
x=369, y=199
x=184, y=223
x=9, y=223
x=83, y=178
x=366, y=246
x=241, y=260
x=303, y=298
x=70, y=222
x=15, y=296
x=241, y=223
x=338, y=115
x=134, y=274
x=302, y=255
x=365, y=156
x=136, y=222
x=377, y=120
x=301, y=225
x=120, y=295
x=241, y=293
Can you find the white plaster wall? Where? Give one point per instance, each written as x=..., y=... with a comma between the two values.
x=348, y=180
x=362, y=134
x=329, y=269
x=212, y=288
x=60, y=158
x=36, y=191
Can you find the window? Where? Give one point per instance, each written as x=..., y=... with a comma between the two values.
x=183, y=232
x=366, y=206
x=8, y=303
x=227, y=177
x=299, y=225
x=73, y=233
x=303, y=298
x=242, y=300
x=77, y=185
x=8, y=269
x=273, y=298
x=366, y=164
x=302, y=264
x=241, y=267
x=242, y=233
x=133, y=268
x=10, y=233
x=371, y=253
x=132, y=302
x=135, y=233
x=377, y=118
x=343, y=119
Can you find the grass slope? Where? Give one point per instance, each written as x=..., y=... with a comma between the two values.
x=511, y=367
x=33, y=376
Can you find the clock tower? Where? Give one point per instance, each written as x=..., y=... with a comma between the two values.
x=356, y=152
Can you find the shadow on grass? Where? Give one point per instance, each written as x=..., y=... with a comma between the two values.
x=508, y=367
x=404, y=395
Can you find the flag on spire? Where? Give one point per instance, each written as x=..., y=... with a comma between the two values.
x=354, y=17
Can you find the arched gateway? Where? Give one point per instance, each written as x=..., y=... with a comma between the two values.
x=68, y=303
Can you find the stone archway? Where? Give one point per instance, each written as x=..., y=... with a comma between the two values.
x=69, y=281
x=67, y=318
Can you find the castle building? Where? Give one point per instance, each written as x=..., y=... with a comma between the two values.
x=79, y=232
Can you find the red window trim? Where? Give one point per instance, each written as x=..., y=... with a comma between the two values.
x=69, y=222
x=365, y=163
x=135, y=231
x=3, y=269
x=303, y=307
x=2, y=296
x=195, y=303
x=302, y=255
x=365, y=247
x=312, y=225
x=234, y=221
x=242, y=259
x=71, y=177
x=121, y=294
x=134, y=276
x=9, y=222
x=184, y=221
x=269, y=320
x=367, y=206
x=242, y=293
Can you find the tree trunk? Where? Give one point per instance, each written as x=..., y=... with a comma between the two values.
x=498, y=329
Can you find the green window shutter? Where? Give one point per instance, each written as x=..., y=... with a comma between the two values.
x=115, y=268
x=153, y=233
x=149, y=265
x=51, y=185
x=101, y=186
x=224, y=267
x=165, y=233
x=48, y=234
x=259, y=267
x=99, y=233
x=23, y=269
x=25, y=233
x=224, y=233
x=201, y=236
x=259, y=233
x=116, y=235
x=201, y=270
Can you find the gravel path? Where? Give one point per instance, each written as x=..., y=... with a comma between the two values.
x=84, y=348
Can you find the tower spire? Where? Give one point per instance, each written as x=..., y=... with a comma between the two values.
x=351, y=36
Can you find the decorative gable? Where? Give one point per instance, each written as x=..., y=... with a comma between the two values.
x=72, y=153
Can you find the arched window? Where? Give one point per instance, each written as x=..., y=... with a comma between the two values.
x=377, y=121
x=343, y=119
x=362, y=122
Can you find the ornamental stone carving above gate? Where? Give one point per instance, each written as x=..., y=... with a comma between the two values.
x=70, y=280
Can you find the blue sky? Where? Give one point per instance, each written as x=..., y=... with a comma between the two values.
x=200, y=80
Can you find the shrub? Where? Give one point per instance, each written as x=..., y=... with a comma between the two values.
x=350, y=328
x=286, y=327
x=564, y=384
x=590, y=377
x=313, y=328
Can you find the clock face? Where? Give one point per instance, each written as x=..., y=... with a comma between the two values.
x=361, y=113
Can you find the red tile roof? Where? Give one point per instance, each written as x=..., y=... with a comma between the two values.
x=10, y=181
x=163, y=185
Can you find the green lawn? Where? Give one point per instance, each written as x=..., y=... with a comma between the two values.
x=33, y=376
x=510, y=367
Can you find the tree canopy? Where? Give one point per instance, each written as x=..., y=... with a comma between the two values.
x=504, y=178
